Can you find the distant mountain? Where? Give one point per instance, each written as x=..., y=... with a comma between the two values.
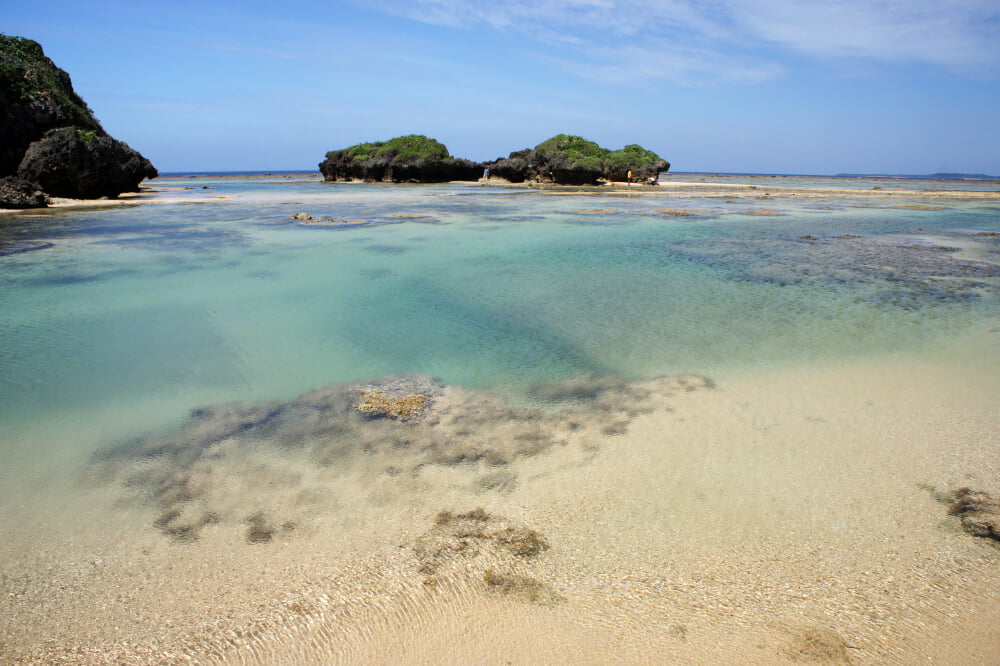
x=932, y=176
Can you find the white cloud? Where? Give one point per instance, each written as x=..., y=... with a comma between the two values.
x=726, y=39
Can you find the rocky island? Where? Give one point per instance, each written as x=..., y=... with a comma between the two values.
x=572, y=160
x=50, y=141
x=562, y=160
x=405, y=159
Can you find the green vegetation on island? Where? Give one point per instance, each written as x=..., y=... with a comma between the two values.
x=411, y=158
x=564, y=159
x=567, y=159
x=409, y=148
x=573, y=150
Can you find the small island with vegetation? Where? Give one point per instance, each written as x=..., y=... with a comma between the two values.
x=404, y=159
x=52, y=145
x=562, y=160
x=572, y=160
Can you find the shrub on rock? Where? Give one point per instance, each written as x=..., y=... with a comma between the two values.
x=566, y=159
x=413, y=158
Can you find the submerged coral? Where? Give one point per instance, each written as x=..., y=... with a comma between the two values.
x=901, y=270
x=486, y=547
x=279, y=457
x=978, y=511
x=374, y=403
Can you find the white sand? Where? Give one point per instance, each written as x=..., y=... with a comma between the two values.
x=722, y=530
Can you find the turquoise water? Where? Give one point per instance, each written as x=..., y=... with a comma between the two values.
x=129, y=317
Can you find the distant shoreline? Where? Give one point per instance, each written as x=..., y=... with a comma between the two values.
x=166, y=189
x=942, y=177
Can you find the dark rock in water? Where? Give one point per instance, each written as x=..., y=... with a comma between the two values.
x=405, y=159
x=35, y=97
x=73, y=163
x=979, y=512
x=572, y=160
x=19, y=193
x=49, y=136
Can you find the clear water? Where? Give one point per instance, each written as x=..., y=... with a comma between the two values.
x=135, y=315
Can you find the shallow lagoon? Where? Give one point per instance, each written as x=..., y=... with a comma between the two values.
x=129, y=318
x=488, y=289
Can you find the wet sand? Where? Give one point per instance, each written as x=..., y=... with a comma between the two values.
x=787, y=517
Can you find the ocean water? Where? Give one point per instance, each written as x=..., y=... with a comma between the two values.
x=118, y=322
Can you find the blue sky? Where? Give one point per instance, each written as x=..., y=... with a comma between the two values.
x=771, y=86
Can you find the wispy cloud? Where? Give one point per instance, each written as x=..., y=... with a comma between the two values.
x=676, y=64
x=734, y=40
x=954, y=34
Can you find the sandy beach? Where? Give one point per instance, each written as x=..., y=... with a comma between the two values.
x=787, y=518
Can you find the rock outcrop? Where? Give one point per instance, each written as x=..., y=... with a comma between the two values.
x=47, y=129
x=18, y=193
x=78, y=164
x=405, y=159
x=572, y=160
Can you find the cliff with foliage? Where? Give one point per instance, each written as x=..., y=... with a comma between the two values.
x=405, y=159
x=38, y=104
x=572, y=160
